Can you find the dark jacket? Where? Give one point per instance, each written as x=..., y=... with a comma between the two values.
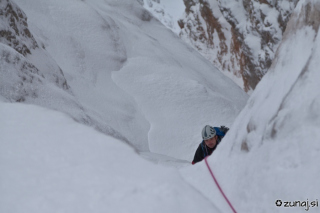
x=204, y=151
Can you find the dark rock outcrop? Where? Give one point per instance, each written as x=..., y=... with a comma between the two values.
x=22, y=76
x=14, y=30
x=241, y=37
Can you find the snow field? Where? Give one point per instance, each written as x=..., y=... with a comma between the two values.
x=50, y=163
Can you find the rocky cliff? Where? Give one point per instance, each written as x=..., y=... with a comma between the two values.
x=22, y=75
x=238, y=37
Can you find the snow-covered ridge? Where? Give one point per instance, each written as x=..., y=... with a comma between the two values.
x=14, y=30
x=23, y=76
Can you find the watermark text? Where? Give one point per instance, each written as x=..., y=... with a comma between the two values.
x=306, y=204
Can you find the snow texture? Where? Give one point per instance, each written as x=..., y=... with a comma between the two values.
x=129, y=76
x=126, y=71
x=272, y=150
x=50, y=163
x=168, y=12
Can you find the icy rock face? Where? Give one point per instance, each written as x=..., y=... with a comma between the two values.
x=239, y=37
x=166, y=11
x=286, y=101
x=213, y=37
x=259, y=25
x=17, y=43
x=14, y=30
x=29, y=74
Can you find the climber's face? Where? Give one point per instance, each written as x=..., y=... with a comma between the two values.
x=211, y=142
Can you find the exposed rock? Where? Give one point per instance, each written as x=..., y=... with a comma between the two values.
x=309, y=16
x=260, y=24
x=212, y=38
x=22, y=74
x=240, y=37
x=18, y=86
x=29, y=74
x=14, y=30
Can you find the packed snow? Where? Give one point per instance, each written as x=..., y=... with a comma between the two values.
x=50, y=163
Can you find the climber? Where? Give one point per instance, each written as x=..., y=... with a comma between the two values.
x=211, y=136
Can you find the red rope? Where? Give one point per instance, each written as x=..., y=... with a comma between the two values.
x=215, y=180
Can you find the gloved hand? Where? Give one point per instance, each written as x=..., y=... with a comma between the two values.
x=224, y=129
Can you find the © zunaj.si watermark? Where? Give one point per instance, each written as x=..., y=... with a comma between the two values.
x=306, y=204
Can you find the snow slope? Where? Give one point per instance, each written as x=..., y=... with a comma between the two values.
x=132, y=77
x=272, y=151
x=50, y=163
x=27, y=71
